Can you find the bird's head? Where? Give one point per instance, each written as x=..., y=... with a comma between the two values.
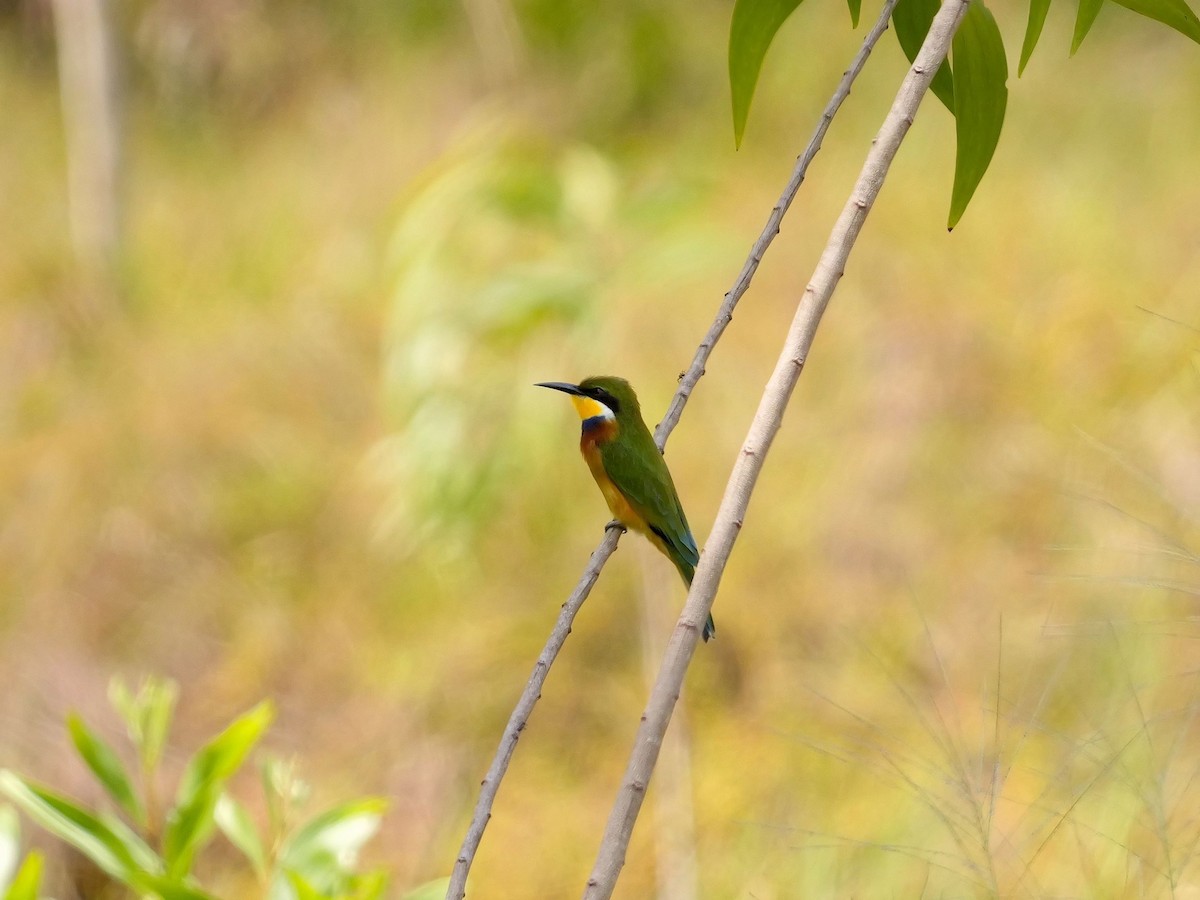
x=600, y=397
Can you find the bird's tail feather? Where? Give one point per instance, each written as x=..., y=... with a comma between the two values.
x=710, y=627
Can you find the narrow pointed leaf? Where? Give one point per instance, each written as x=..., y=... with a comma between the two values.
x=855, y=11
x=159, y=709
x=980, y=98
x=1033, y=30
x=145, y=857
x=190, y=824
x=235, y=823
x=302, y=889
x=373, y=885
x=25, y=885
x=1084, y=19
x=163, y=888
x=122, y=856
x=1174, y=13
x=107, y=767
x=10, y=844
x=147, y=715
x=751, y=31
x=337, y=834
x=912, y=19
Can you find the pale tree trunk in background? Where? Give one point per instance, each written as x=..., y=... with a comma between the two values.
x=674, y=818
x=88, y=88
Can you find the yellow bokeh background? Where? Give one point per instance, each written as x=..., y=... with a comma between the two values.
x=290, y=448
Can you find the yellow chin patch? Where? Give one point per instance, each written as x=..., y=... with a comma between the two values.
x=590, y=409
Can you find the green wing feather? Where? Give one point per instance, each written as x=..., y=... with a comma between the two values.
x=640, y=473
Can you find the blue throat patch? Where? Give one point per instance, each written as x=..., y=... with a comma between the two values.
x=593, y=422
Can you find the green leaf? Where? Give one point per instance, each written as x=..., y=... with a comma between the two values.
x=25, y=885
x=118, y=852
x=980, y=98
x=235, y=823
x=107, y=767
x=372, y=886
x=1174, y=13
x=432, y=890
x=190, y=824
x=143, y=853
x=336, y=835
x=1033, y=30
x=147, y=715
x=855, y=10
x=10, y=844
x=301, y=889
x=1084, y=19
x=912, y=19
x=171, y=889
x=751, y=31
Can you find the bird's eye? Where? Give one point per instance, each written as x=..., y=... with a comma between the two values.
x=605, y=397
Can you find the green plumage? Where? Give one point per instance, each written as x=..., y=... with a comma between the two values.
x=627, y=456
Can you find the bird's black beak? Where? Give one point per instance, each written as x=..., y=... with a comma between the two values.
x=561, y=386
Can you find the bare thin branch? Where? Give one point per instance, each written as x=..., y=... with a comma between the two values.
x=766, y=424
x=687, y=382
x=521, y=712
x=725, y=314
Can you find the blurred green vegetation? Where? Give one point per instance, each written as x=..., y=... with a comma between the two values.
x=301, y=458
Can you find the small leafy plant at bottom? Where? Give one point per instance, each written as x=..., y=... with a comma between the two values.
x=153, y=852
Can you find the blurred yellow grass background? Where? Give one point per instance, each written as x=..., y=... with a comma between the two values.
x=300, y=456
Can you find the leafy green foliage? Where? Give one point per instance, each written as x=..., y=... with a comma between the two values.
x=980, y=98
x=1172, y=13
x=107, y=768
x=971, y=82
x=10, y=844
x=911, y=19
x=1085, y=17
x=16, y=883
x=25, y=885
x=191, y=821
x=113, y=851
x=235, y=823
x=147, y=715
x=1033, y=30
x=751, y=31
x=855, y=11
x=510, y=239
x=316, y=858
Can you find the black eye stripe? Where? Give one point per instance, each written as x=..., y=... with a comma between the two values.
x=603, y=396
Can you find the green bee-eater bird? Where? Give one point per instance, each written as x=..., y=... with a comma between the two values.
x=631, y=472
